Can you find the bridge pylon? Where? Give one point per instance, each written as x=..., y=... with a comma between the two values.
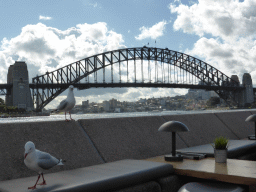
x=19, y=95
x=246, y=96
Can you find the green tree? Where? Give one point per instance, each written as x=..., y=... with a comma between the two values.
x=1, y=101
x=213, y=101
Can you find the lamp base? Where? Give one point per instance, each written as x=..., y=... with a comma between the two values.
x=173, y=158
x=251, y=137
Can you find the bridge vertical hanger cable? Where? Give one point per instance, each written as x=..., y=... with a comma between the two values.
x=156, y=64
x=192, y=74
x=162, y=68
x=127, y=66
x=149, y=67
x=88, y=71
x=119, y=67
x=141, y=55
x=149, y=77
x=44, y=93
x=112, y=67
x=174, y=74
x=142, y=76
x=135, y=65
x=186, y=75
x=95, y=67
x=163, y=72
x=103, y=61
x=181, y=62
x=168, y=65
x=183, y=76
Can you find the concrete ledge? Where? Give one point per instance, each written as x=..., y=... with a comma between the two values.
x=203, y=128
x=104, y=177
x=89, y=142
x=236, y=149
x=235, y=121
x=61, y=139
x=135, y=137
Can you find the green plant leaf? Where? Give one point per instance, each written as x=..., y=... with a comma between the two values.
x=221, y=143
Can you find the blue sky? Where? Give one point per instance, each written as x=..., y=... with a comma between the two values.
x=124, y=17
x=51, y=34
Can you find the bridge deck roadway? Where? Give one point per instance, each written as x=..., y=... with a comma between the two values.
x=81, y=86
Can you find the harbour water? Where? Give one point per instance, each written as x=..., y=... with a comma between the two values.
x=108, y=115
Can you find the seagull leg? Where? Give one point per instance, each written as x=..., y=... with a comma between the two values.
x=33, y=187
x=70, y=116
x=66, y=117
x=43, y=183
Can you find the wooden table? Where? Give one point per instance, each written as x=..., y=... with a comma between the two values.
x=234, y=171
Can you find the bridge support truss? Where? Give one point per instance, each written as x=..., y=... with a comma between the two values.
x=150, y=67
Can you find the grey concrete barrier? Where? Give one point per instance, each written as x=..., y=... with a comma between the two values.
x=135, y=137
x=61, y=139
x=235, y=121
x=203, y=128
x=89, y=142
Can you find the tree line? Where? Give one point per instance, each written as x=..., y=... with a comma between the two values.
x=9, y=109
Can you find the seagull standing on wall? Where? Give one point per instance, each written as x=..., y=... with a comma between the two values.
x=39, y=161
x=68, y=103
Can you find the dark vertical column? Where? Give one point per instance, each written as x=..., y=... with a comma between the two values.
x=21, y=92
x=173, y=144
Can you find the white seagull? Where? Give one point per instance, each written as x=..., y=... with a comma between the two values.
x=39, y=161
x=68, y=103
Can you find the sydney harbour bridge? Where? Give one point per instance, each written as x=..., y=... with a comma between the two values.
x=133, y=67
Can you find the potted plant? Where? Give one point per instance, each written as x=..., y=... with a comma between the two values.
x=220, y=149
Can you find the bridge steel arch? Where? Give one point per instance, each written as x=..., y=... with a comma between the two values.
x=48, y=86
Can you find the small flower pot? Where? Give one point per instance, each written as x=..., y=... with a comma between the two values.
x=220, y=155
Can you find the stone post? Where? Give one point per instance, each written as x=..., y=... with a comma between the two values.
x=20, y=92
x=247, y=94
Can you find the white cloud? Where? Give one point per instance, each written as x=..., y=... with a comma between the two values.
x=153, y=32
x=91, y=3
x=231, y=24
x=44, y=18
x=94, y=4
x=45, y=48
x=236, y=58
x=225, y=19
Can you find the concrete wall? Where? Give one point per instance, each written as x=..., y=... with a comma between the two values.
x=203, y=128
x=235, y=122
x=61, y=139
x=137, y=137
x=88, y=142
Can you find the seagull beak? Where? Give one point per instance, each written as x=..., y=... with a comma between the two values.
x=25, y=155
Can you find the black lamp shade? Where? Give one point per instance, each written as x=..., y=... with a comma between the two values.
x=173, y=126
x=252, y=118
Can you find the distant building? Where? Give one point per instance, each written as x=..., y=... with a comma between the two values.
x=162, y=102
x=200, y=94
x=113, y=103
x=117, y=110
x=142, y=100
x=106, y=106
x=85, y=103
x=191, y=94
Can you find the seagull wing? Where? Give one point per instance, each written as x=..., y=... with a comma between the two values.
x=45, y=160
x=62, y=105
